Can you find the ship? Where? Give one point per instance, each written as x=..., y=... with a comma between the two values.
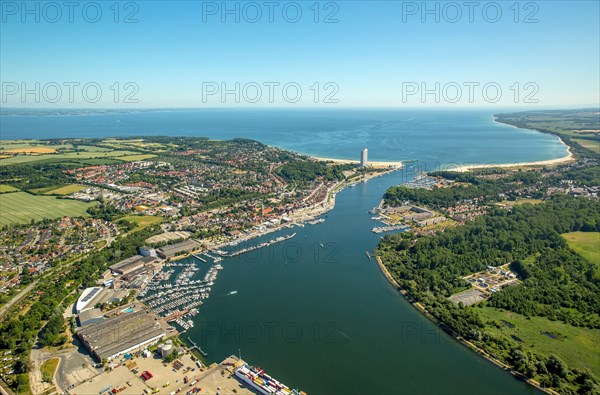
x=261, y=382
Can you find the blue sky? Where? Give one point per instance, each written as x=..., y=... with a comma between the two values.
x=373, y=53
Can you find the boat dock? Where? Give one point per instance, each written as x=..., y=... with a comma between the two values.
x=261, y=245
x=197, y=347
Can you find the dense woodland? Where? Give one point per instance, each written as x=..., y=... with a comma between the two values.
x=471, y=186
x=557, y=283
x=302, y=172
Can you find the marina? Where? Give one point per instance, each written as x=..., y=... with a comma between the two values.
x=383, y=229
x=256, y=247
x=176, y=295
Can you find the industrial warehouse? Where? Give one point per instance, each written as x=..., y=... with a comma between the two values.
x=124, y=333
x=93, y=296
x=173, y=250
x=132, y=264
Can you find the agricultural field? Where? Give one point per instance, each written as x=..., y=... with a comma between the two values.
x=93, y=148
x=136, y=144
x=7, y=189
x=22, y=207
x=30, y=145
x=65, y=190
x=66, y=156
x=577, y=346
x=133, y=158
x=142, y=221
x=589, y=144
x=31, y=150
x=586, y=244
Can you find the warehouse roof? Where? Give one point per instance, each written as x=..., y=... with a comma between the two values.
x=174, y=249
x=121, y=333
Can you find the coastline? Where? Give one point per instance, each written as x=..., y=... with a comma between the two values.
x=550, y=162
x=440, y=324
x=420, y=308
x=375, y=164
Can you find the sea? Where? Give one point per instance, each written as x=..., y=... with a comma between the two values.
x=315, y=311
x=428, y=136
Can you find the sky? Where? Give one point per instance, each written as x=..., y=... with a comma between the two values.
x=158, y=54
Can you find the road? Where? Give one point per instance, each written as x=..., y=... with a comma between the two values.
x=4, y=309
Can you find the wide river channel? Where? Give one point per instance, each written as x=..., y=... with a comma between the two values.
x=316, y=313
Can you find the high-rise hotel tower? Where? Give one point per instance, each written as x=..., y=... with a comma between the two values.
x=364, y=157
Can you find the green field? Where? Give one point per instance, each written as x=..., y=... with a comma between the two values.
x=578, y=347
x=133, y=158
x=142, y=221
x=513, y=203
x=93, y=148
x=7, y=188
x=65, y=156
x=7, y=145
x=21, y=207
x=65, y=190
x=589, y=144
x=586, y=244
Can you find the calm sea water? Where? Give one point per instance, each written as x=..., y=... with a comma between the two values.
x=314, y=311
x=430, y=136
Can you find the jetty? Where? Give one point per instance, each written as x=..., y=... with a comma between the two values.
x=261, y=245
x=197, y=347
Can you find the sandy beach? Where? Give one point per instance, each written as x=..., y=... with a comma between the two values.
x=565, y=159
x=378, y=165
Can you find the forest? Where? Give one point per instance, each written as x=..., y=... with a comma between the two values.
x=557, y=283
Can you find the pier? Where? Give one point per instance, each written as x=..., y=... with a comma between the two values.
x=261, y=245
x=197, y=347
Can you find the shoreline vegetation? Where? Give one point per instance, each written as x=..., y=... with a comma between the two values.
x=440, y=324
x=570, y=158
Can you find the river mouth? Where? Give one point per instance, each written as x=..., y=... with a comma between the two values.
x=317, y=313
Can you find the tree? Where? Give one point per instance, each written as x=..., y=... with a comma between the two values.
x=556, y=366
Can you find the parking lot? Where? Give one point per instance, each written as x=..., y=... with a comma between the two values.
x=166, y=379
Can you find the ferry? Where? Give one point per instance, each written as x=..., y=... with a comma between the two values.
x=261, y=382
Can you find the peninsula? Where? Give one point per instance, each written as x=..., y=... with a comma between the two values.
x=511, y=265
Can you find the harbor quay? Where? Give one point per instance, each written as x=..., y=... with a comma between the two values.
x=182, y=376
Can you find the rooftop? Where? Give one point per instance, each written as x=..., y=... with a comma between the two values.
x=121, y=333
x=174, y=249
x=131, y=263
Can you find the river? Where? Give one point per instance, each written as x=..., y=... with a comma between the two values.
x=324, y=318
